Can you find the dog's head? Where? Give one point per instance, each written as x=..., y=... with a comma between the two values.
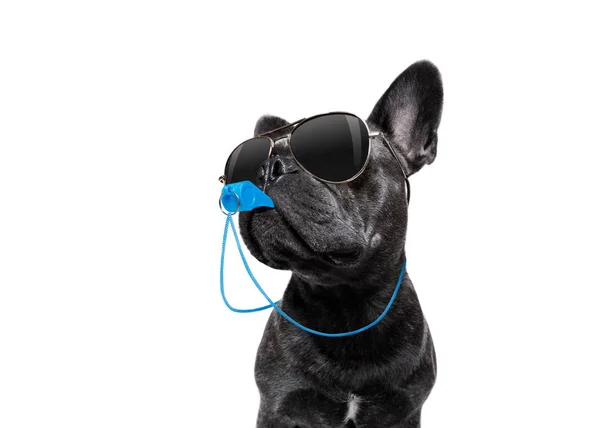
x=330, y=233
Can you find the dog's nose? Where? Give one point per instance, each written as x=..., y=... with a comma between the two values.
x=275, y=168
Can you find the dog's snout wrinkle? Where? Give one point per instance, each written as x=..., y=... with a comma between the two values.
x=319, y=211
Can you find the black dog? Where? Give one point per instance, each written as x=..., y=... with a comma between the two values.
x=344, y=244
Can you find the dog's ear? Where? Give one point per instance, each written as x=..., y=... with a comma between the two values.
x=409, y=114
x=267, y=123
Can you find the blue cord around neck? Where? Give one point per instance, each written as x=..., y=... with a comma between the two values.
x=228, y=224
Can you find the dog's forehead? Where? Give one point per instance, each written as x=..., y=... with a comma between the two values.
x=281, y=146
x=281, y=141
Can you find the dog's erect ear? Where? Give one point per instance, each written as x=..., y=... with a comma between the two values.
x=409, y=114
x=267, y=123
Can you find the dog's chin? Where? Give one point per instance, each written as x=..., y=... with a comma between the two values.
x=273, y=239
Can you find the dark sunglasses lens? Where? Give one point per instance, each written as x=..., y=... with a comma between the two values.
x=244, y=162
x=334, y=147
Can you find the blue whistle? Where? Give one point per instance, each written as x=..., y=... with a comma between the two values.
x=243, y=196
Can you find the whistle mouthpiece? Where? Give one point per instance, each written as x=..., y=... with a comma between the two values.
x=243, y=196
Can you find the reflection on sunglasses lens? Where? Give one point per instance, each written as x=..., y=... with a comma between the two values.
x=244, y=162
x=333, y=147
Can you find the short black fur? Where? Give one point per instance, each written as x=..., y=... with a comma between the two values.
x=344, y=244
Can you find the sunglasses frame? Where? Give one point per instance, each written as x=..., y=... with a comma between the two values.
x=298, y=123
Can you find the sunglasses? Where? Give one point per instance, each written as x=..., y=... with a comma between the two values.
x=332, y=147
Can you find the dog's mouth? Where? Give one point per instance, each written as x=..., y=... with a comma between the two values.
x=280, y=243
x=343, y=258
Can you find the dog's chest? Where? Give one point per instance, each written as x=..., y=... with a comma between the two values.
x=353, y=408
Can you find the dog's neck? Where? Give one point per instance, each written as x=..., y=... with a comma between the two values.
x=345, y=305
x=378, y=272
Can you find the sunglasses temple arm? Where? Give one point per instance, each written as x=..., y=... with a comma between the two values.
x=391, y=149
x=280, y=128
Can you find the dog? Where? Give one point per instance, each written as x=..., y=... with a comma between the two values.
x=344, y=244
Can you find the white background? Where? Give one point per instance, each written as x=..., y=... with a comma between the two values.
x=116, y=119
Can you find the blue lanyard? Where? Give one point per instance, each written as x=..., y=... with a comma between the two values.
x=229, y=224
